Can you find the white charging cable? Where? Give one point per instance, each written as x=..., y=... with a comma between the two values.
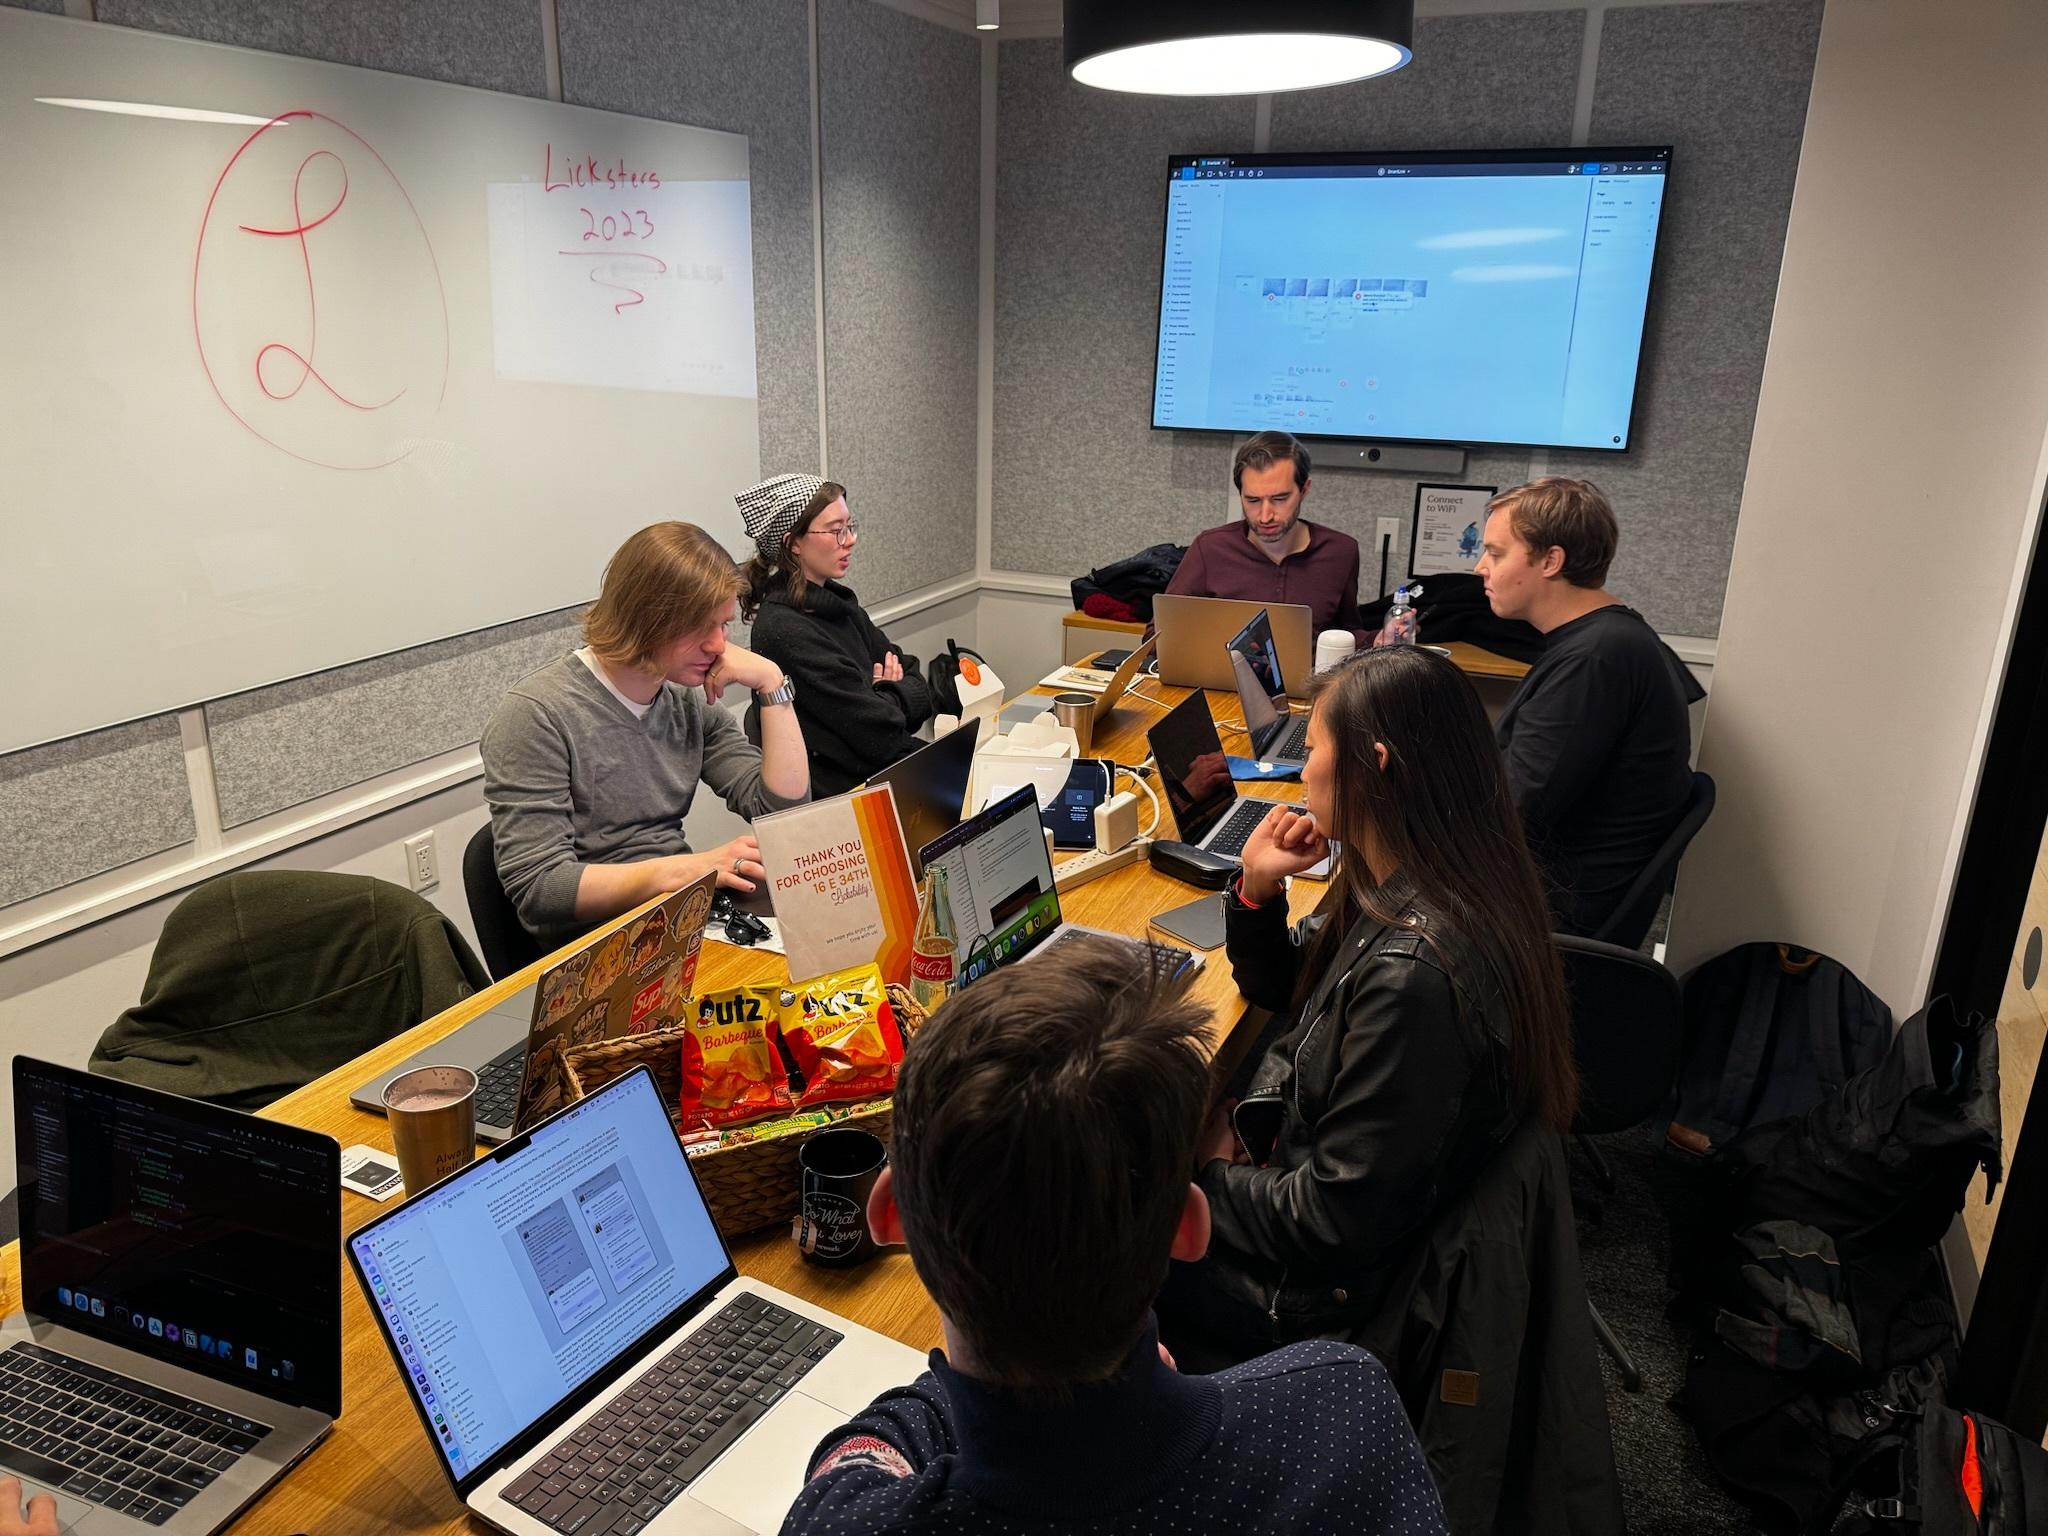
x=1137, y=776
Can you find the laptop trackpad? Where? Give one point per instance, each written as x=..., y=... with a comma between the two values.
x=759, y=1478
x=69, y=1510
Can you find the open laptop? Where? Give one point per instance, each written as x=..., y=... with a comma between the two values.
x=1195, y=635
x=179, y=1343
x=1127, y=672
x=623, y=980
x=1276, y=735
x=1005, y=903
x=1120, y=681
x=1196, y=776
x=568, y=1296
x=930, y=787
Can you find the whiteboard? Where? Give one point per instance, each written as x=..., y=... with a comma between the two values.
x=330, y=363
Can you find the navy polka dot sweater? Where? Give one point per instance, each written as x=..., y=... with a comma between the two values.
x=1310, y=1438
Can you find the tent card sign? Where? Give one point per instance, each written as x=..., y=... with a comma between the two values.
x=1448, y=529
x=840, y=877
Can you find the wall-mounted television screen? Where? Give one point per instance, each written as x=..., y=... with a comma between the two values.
x=1462, y=298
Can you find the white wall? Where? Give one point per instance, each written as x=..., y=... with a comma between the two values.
x=1894, y=481
x=1020, y=635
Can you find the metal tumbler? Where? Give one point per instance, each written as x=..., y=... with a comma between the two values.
x=1076, y=711
x=432, y=1111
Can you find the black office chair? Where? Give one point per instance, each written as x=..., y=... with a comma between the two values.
x=1627, y=1029
x=506, y=944
x=1630, y=920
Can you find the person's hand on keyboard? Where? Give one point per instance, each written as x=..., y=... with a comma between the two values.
x=41, y=1519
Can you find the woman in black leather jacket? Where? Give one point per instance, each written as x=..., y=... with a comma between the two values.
x=1424, y=1015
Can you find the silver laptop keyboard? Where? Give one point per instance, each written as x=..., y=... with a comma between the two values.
x=95, y=1434
x=1168, y=960
x=625, y=1464
x=1231, y=837
x=1292, y=742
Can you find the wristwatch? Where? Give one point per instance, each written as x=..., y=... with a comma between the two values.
x=781, y=695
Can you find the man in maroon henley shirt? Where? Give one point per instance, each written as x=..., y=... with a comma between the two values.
x=1275, y=555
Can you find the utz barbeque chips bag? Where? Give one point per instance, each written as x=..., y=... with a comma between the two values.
x=732, y=1071
x=842, y=1033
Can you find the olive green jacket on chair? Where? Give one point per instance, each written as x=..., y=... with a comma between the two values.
x=266, y=979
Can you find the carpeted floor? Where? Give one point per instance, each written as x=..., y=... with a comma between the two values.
x=1666, y=1487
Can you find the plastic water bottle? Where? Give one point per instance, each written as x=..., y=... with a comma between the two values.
x=1402, y=623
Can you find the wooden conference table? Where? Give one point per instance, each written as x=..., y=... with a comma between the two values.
x=376, y=1472
x=1083, y=635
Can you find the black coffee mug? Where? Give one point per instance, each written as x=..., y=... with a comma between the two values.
x=837, y=1170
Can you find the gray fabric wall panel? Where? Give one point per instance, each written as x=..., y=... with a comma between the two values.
x=48, y=7
x=495, y=44
x=1725, y=83
x=742, y=66
x=1080, y=476
x=93, y=803
x=902, y=199
x=281, y=746
x=1727, y=86
x=1477, y=82
x=1354, y=500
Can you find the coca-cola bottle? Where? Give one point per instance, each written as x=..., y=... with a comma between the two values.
x=934, y=951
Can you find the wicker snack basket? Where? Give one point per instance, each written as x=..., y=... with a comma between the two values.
x=749, y=1186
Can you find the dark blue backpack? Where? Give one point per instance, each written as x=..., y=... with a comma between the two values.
x=1770, y=1031
x=1134, y=580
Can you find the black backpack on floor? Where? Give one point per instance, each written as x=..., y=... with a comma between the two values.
x=1770, y=1031
x=1822, y=1321
x=1943, y=1473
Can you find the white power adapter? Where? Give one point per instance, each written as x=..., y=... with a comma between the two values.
x=1116, y=822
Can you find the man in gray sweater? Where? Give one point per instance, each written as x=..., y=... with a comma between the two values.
x=590, y=764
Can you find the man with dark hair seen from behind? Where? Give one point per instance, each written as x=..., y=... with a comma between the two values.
x=1275, y=555
x=1045, y=1129
x=1596, y=738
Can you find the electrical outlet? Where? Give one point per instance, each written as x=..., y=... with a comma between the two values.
x=1389, y=529
x=422, y=862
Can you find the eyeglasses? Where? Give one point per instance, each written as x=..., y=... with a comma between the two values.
x=841, y=533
